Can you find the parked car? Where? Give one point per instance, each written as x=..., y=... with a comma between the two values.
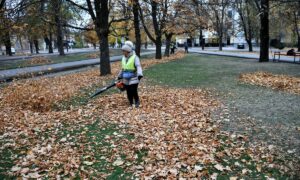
x=13, y=51
x=241, y=46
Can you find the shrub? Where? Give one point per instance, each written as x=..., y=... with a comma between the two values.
x=276, y=44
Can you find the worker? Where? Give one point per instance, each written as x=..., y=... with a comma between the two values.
x=131, y=73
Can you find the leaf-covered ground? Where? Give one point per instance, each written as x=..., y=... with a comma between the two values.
x=279, y=82
x=53, y=59
x=170, y=136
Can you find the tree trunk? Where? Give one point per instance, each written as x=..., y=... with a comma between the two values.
x=50, y=43
x=168, y=43
x=31, y=46
x=201, y=40
x=60, y=44
x=264, y=31
x=246, y=22
x=250, y=35
x=59, y=28
x=36, y=45
x=7, y=43
x=103, y=31
x=104, y=55
x=220, y=41
x=137, y=28
x=20, y=42
x=298, y=44
x=250, y=45
x=221, y=26
x=158, y=45
x=297, y=29
x=157, y=30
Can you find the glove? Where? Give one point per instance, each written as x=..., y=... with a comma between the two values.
x=140, y=77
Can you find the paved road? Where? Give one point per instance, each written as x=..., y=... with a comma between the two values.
x=240, y=53
x=45, y=53
x=6, y=75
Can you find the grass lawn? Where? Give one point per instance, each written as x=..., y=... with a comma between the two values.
x=273, y=114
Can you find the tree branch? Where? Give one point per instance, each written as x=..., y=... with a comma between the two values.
x=90, y=10
x=77, y=5
x=68, y=25
x=2, y=2
x=144, y=25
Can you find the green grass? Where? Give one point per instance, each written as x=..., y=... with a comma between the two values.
x=221, y=75
x=94, y=134
x=6, y=161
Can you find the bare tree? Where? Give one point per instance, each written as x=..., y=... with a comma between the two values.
x=102, y=14
x=218, y=17
x=245, y=12
x=57, y=9
x=295, y=18
x=201, y=19
x=2, y=4
x=158, y=12
x=138, y=40
x=5, y=33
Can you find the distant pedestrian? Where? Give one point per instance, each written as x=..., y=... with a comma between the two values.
x=291, y=52
x=173, y=47
x=186, y=47
x=203, y=43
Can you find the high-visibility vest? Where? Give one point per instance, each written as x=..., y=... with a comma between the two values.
x=129, y=66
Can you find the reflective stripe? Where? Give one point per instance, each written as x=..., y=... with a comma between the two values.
x=129, y=66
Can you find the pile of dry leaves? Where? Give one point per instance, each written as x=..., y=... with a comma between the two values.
x=175, y=127
x=280, y=82
x=38, y=60
x=40, y=95
x=93, y=56
x=172, y=125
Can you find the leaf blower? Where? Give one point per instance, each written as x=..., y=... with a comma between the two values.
x=118, y=84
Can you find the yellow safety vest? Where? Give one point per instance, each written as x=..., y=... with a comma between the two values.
x=129, y=66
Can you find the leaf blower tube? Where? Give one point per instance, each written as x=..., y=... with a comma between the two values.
x=118, y=84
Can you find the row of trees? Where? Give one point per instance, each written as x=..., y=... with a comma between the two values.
x=157, y=19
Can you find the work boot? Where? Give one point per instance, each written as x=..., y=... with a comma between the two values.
x=131, y=103
x=137, y=104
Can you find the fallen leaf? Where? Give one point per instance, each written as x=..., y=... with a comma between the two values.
x=118, y=162
x=88, y=163
x=15, y=168
x=219, y=167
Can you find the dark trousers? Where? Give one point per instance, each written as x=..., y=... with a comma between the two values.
x=172, y=50
x=186, y=50
x=132, y=93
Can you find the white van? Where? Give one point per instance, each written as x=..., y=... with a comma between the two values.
x=13, y=51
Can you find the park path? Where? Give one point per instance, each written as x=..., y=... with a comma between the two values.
x=7, y=75
x=241, y=54
x=45, y=53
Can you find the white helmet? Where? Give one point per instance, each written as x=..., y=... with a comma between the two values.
x=129, y=43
